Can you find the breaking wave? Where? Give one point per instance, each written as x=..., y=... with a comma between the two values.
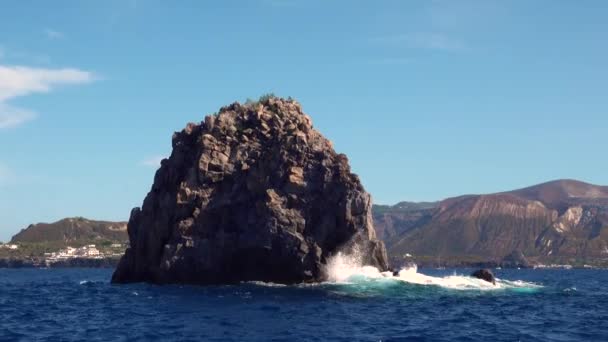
x=348, y=269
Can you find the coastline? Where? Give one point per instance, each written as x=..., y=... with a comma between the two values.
x=109, y=262
x=112, y=262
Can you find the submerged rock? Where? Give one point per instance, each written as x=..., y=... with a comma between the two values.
x=484, y=274
x=251, y=193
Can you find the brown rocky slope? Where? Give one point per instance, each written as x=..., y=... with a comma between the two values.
x=563, y=221
x=251, y=193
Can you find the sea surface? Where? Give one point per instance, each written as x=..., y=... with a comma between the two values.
x=359, y=305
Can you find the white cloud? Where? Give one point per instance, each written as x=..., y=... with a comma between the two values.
x=11, y=116
x=152, y=161
x=17, y=81
x=52, y=34
x=425, y=40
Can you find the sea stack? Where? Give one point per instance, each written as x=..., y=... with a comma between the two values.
x=253, y=193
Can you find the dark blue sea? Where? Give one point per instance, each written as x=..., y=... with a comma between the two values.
x=527, y=305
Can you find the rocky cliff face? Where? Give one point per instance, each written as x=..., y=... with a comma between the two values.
x=252, y=193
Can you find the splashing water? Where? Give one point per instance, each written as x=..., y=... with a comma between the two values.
x=348, y=269
x=342, y=268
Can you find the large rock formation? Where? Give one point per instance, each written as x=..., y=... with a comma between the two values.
x=252, y=193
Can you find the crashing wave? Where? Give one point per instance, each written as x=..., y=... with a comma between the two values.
x=348, y=269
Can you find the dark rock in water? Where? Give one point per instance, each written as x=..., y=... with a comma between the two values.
x=484, y=274
x=252, y=193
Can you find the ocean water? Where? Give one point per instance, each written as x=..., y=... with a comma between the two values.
x=358, y=304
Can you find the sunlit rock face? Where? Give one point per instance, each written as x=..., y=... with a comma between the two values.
x=252, y=193
x=562, y=221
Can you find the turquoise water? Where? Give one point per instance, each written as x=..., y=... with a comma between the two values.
x=528, y=305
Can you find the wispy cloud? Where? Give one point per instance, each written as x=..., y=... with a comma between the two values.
x=424, y=40
x=11, y=116
x=18, y=81
x=52, y=34
x=153, y=162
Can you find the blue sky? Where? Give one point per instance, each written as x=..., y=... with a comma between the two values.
x=429, y=99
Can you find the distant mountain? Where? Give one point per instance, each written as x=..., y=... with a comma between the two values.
x=561, y=194
x=72, y=231
x=392, y=221
x=564, y=221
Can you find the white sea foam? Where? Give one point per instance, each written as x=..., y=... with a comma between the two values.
x=348, y=269
x=266, y=284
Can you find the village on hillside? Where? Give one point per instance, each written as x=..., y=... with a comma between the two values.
x=87, y=252
x=9, y=246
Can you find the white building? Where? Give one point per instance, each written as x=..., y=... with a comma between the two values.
x=6, y=245
x=66, y=253
x=92, y=251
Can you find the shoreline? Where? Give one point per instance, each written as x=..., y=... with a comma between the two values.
x=112, y=262
x=109, y=262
